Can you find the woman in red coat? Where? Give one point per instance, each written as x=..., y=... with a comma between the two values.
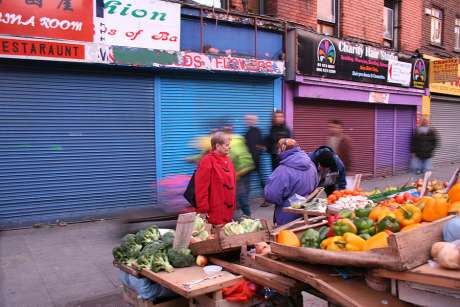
x=215, y=182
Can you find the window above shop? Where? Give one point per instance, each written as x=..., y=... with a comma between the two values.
x=327, y=17
x=224, y=38
x=390, y=20
x=436, y=26
x=457, y=33
x=220, y=4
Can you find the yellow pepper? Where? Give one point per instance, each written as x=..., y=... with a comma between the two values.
x=408, y=215
x=330, y=243
x=379, y=240
x=379, y=212
x=354, y=243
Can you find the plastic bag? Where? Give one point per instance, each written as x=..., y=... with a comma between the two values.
x=296, y=201
x=145, y=288
x=451, y=231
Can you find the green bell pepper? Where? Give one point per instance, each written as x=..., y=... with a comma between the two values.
x=323, y=231
x=310, y=238
x=342, y=226
x=388, y=223
x=363, y=212
x=365, y=225
x=346, y=214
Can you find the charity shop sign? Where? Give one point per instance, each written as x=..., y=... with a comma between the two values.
x=399, y=72
x=329, y=57
x=57, y=19
x=139, y=23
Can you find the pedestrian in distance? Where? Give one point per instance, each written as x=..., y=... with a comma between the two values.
x=423, y=143
x=215, y=182
x=339, y=142
x=330, y=168
x=255, y=144
x=296, y=174
x=278, y=131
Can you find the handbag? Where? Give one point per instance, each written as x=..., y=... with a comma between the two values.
x=189, y=193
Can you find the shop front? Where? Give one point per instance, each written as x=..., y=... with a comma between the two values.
x=92, y=126
x=445, y=105
x=373, y=92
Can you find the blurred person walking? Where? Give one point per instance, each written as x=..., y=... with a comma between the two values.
x=255, y=144
x=215, y=182
x=278, y=131
x=339, y=142
x=243, y=163
x=330, y=168
x=296, y=174
x=423, y=144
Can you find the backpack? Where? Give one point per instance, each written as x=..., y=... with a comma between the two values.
x=189, y=193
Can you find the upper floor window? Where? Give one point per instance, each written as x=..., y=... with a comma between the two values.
x=388, y=20
x=221, y=4
x=457, y=33
x=436, y=26
x=327, y=16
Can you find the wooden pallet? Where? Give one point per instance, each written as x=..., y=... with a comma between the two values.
x=344, y=292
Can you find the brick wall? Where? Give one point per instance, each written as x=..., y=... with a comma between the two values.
x=411, y=24
x=299, y=11
x=362, y=19
x=451, y=10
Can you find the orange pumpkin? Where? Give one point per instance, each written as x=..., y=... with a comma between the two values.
x=454, y=207
x=288, y=237
x=434, y=208
x=454, y=193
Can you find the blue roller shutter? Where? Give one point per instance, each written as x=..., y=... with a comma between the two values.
x=191, y=106
x=74, y=144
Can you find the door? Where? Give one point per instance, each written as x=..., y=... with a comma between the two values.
x=310, y=128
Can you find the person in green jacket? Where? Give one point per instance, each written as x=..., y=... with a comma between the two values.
x=242, y=161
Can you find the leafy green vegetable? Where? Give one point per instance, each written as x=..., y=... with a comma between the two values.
x=203, y=235
x=180, y=258
x=130, y=246
x=160, y=262
x=198, y=225
x=148, y=235
x=119, y=254
x=168, y=239
x=310, y=238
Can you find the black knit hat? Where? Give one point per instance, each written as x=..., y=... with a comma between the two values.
x=326, y=159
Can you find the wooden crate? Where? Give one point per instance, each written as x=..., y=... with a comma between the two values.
x=222, y=243
x=130, y=297
x=406, y=250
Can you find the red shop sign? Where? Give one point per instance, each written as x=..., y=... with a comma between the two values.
x=21, y=48
x=63, y=19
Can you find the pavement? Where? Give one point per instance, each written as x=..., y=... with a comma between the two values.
x=71, y=265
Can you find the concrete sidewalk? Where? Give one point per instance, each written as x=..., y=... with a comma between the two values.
x=72, y=265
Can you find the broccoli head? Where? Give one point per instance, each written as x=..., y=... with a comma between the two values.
x=144, y=261
x=180, y=258
x=168, y=239
x=160, y=262
x=130, y=246
x=148, y=235
x=119, y=254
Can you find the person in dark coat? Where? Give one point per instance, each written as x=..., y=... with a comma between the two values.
x=331, y=169
x=255, y=144
x=278, y=131
x=340, y=142
x=423, y=144
x=296, y=174
x=215, y=182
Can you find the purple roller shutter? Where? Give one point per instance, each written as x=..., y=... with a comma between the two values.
x=310, y=128
x=384, y=145
x=405, y=122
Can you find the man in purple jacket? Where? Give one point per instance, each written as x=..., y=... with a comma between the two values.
x=296, y=174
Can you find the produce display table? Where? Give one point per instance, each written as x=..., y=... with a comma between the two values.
x=425, y=285
x=345, y=292
x=207, y=293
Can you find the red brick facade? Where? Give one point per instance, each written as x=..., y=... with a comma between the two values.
x=451, y=11
x=298, y=11
x=411, y=25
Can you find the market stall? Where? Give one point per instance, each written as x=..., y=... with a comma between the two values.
x=353, y=248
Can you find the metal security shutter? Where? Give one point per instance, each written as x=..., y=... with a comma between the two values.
x=310, y=128
x=405, y=122
x=385, y=129
x=444, y=118
x=192, y=105
x=74, y=144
